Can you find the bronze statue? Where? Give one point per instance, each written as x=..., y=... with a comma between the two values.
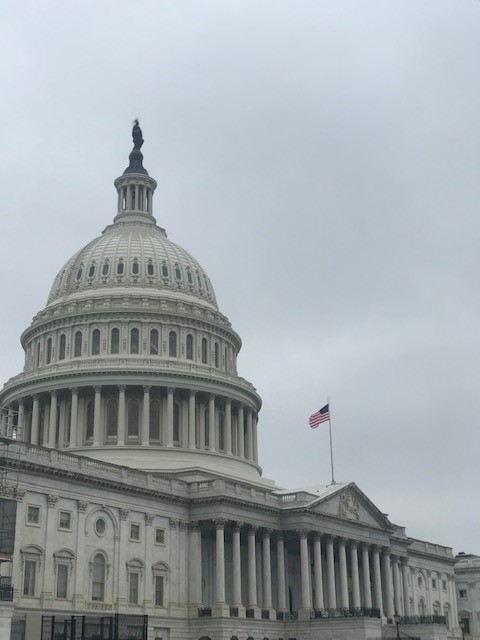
x=137, y=135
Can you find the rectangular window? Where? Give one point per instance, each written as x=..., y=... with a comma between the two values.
x=434, y=583
x=462, y=593
x=444, y=585
x=65, y=520
x=29, y=574
x=62, y=580
x=135, y=532
x=465, y=625
x=159, y=536
x=133, y=588
x=159, y=591
x=33, y=514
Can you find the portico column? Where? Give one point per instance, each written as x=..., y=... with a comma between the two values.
x=191, y=420
x=317, y=568
x=367, y=593
x=96, y=416
x=170, y=391
x=35, y=418
x=304, y=569
x=342, y=558
x=406, y=596
x=121, y=416
x=377, y=580
x=237, y=568
x=3, y=423
x=211, y=422
x=21, y=419
x=453, y=601
x=53, y=419
x=252, y=569
x=241, y=435
x=397, y=599
x=146, y=417
x=249, y=453
x=267, y=571
x=354, y=572
x=73, y=418
x=195, y=581
x=10, y=421
x=332, y=597
x=281, y=600
x=387, y=573
x=228, y=427
x=220, y=560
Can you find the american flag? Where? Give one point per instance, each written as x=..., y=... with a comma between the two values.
x=321, y=416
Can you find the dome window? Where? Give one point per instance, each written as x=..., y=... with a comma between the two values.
x=216, y=354
x=204, y=350
x=150, y=269
x=178, y=273
x=135, y=268
x=189, y=277
x=96, y=342
x=134, y=341
x=199, y=280
x=62, y=349
x=172, y=344
x=91, y=270
x=120, y=267
x=105, y=268
x=79, y=273
x=133, y=419
x=112, y=418
x=154, y=342
x=206, y=284
x=115, y=341
x=189, y=346
x=165, y=270
x=49, y=351
x=154, y=420
x=77, y=351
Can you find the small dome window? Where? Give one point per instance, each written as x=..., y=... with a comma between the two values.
x=120, y=267
x=150, y=268
x=91, y=270
x=199, y=280
x=178, y=273
x=189, y=277
x=165, y=270
x=79, y=272
x=135, y=267
x=206, y=284
x=105, y=268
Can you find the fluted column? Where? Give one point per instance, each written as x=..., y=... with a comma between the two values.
x=191, y=420
x=228, y=427
x=367, y=592
x=281, y=594
x=237, y=566
x=121, y=426
x=170, y=392
x=267, y=571
x=377, y=580
x=3, y=423
x=342, y=559
x=220, y=560
x=211, y=423
x=96, y=416
x=304, y=569
x=240, y=433
x=355, y=576
x=145, y=439
x=397, y=596
x=195, y=558
x=249, y=452
x=73, y=417
x=21, y=419
x=317, y=568
x=406, y=595
x=332, y=596
x=35, y=418
x=252, y=569
x=387, y=573
x=52, y=426
x=10, y=421
x=255, y=438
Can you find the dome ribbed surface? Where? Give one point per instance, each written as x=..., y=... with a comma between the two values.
x=149, y=260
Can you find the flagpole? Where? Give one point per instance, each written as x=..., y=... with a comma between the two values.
x=330, y=431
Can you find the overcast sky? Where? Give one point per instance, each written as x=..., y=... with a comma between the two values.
x=321, y=161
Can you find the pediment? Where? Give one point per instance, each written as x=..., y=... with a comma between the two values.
x=349, y=503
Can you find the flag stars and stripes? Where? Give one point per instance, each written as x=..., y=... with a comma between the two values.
x=320, y=416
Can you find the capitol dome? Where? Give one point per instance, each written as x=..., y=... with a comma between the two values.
x=131, y=360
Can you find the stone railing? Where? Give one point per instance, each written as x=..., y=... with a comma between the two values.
x=205, y=612
x=433, y=619
x=342, y=612
x=6, y=593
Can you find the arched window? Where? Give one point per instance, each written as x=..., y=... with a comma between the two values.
x=216, y=354
x=221, y=431
x=176, y=423
x=91, y=270
x=62, y=349
x=154, y=420
x=189, y=277
x=154, y=342
x=134, y=341
x=112, y=418
x=77, y=349
x=79, y=272
x=96, y=342
x=421, y=607
x=115, y=341
x=199, y=280
x=105, y=268
x=178, y=273
x=135, y=267
x=49, y=350
x=90, y=420
x=165, y=270
x=133, y=418
x=120, y=267
x=37, y=354
x=150, y=269
x=172, y=344
x=204, y=351
x=98, y=578
x=189, y=346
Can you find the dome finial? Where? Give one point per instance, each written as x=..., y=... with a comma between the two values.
x=136, y=156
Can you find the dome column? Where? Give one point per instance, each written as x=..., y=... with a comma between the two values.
x=53, y=420
x=249, y=452
x=191, y=420
x=211, y=422
x=21, y=419
x=35, y=418
x=254, y=439
x=170, y=392
x=121, y=416
x=146, y=417
x=228, y=427
x=96, y=416
x=73, y=417
x=240, y=432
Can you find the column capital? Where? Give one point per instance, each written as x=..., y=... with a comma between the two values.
x=73, y=389
x=236, y=526
x=170, y=389
x=404, y=561
x=124, y=514
x=173, y=523
x=82, y=506
x=52, y=500
x=354, y=544
x=35, y=396
x=252, y=528
x=280, y=535
x=149, y=517
x=212, y=396
x=318, y=535
x=147, y=388
x=97, y=389
x=53, y=393
x=303, y=533
x=122, y=387
x=219, y=523
x=266, y=533
x=194, y=525
x=193, y=393
x=342, y=541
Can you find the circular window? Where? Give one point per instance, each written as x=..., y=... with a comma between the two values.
x=100, y=526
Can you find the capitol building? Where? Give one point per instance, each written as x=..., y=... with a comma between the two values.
x=133, y=502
